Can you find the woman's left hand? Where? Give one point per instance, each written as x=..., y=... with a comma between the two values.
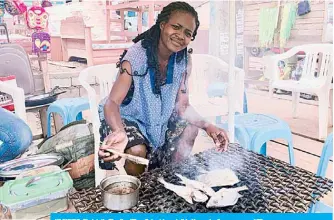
x=219, y=136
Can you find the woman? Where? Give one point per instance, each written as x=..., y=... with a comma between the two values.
x=147, y=113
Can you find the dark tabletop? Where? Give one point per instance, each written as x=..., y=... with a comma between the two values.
x=274, y=186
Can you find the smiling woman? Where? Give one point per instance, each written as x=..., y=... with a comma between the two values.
x=147, y=113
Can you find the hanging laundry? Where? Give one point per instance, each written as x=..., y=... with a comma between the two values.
x=289, y=15
x=2, y=9
x=267, y=25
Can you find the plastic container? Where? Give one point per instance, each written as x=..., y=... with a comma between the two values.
x=42, y=197
x=13, y=168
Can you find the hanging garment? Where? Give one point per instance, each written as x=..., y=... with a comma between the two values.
x=303, y=8
x=267, y=25
x=289, y=15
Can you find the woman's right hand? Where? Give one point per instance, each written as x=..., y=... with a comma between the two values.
x=117, y=141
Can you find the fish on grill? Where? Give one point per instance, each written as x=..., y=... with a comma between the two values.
x=187, y=193
x=218, y=177
x=196, y=185
x=225, y=197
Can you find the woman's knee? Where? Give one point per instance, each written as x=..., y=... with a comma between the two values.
x=138, y=150
x=132, y=168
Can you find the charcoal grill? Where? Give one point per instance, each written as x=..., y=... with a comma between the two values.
x=274, y=185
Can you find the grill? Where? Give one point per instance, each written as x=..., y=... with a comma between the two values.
x=274, y=186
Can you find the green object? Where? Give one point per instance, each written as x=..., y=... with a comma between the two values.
x=267, y=25
x=289, y=15
x=16, y=196
x=15, y=167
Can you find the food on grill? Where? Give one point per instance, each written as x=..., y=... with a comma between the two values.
x=198, y=196
x=225, y=197
x=183, y=191
x=196, y=185
x=187, y=193
x=219, y=177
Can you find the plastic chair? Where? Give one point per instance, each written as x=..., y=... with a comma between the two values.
x=70, y=109
x=316, y=78
x=105, y=75
x=326, y=155
x=219, y=89
x=251, y=130
x=17, y=94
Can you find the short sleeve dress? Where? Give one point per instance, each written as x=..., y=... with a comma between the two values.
x=149, y=118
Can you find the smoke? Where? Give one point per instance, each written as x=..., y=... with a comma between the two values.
x=229, y=159
x=194, y=166
x=193, y=117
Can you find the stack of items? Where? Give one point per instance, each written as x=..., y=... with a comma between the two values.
x=35, y=187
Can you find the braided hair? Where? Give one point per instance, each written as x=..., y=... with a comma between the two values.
x=150, y=40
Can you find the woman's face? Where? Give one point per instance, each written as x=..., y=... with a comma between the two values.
x=176, y=34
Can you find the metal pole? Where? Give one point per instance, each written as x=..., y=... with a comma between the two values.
x=231, y=76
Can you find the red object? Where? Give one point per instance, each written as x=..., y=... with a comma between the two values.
x=6, y=78
x=20, y=6
x=37, y=18
x=9, y=105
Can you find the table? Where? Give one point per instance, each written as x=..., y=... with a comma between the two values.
x=274, y=185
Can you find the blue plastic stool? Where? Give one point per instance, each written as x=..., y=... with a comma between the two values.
x=218, y=89
x=70, y=109
x=253, y=131
x=326, y=155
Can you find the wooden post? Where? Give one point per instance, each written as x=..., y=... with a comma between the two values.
x=219, y=29
x=108, y=21
x=151, y=12
x=88, y=45
x=43, y=65
x=122, y=19
x=239, y=32
x=140, y=21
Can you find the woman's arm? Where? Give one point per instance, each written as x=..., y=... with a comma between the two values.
x=183, y=107
x=187, y=112
x=118, y=138
x=116, y=97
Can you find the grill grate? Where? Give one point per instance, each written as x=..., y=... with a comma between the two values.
x=274, y=186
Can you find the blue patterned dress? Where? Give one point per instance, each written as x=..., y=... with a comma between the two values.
x=149, y=118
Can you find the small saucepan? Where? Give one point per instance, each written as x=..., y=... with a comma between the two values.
x=120, y=192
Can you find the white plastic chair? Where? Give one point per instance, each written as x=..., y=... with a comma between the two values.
x=251, y=130
x=106, y=75
x=310, y=83
x=17, y=94
x=207, y=70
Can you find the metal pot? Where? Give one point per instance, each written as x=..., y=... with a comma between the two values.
x=120, y=192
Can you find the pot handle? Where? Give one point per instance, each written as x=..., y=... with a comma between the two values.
x=37, y=178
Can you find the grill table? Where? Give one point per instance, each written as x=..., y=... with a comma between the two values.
x=274, y=186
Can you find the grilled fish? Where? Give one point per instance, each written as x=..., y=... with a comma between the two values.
x=198, y=196
x=187, y=193
x=196, y=185
x=219, y=177
x=225, y=197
